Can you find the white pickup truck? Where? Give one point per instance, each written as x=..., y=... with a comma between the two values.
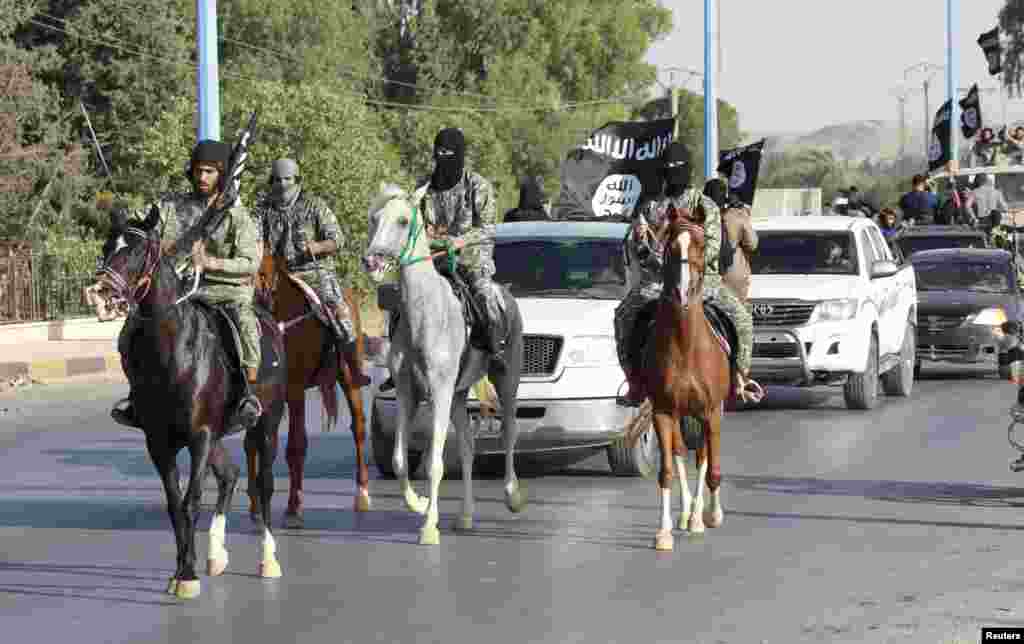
x=831, y=306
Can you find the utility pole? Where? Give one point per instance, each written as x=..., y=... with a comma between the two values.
x=928, y=69
x=952, y=71
x=710, y=94
x=208, y=83
x=902, y=94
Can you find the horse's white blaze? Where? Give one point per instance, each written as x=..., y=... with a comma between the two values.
x=666, y=509
x=684, y=490
x=684, y=265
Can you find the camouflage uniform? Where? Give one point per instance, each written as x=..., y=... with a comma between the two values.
x=644, y=264
x=467, y=211
x=287, y=229
x=237, y=242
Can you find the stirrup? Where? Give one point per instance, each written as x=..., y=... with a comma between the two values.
x=749, y=390
x=122, y=416
x=387, y=385
x=625, y=401
x=244, y=418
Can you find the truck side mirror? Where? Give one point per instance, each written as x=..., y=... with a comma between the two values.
x=884, y=268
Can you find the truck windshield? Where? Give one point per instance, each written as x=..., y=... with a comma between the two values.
x=573, y=268
x=912, y=244
x=805, y=253
x=981, y=277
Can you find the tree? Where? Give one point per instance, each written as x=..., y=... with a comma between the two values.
x=339, y=143
x=1011, y=23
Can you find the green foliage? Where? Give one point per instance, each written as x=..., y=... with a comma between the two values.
x=814, y=168
x=1011, y=23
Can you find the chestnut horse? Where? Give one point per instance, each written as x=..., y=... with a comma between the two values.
x=311, y=363
x=686, y=373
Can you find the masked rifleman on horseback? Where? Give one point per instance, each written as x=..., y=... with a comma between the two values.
x=459, y=210
x=644, y=249
x=228, y=257
x=301, y=226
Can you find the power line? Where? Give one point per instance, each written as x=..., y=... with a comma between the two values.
x=112, y=42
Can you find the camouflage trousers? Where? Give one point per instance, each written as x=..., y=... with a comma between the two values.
x=639, y=297
x=326, y=286
x=237, y=301
x=625, y=318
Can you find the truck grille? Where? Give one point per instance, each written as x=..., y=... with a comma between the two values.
x=775, y=350
x=781, y=312
x=940, y=322
x=540, y=354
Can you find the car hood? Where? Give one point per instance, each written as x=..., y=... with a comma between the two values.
x=567, y=316
x=803, y=287
x=960, y=302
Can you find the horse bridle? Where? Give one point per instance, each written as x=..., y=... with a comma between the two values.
x=133, y=295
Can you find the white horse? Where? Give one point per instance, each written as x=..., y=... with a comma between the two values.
x=430, y=352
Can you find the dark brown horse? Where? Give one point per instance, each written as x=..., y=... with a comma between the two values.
x=313, y=361
x=686, y=373
x=185, y=382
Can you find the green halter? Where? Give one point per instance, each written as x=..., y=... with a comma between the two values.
x=415, y=227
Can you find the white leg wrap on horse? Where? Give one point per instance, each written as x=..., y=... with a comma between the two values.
x=697, y=513
x=666, y=509
x=684, y=491
x=269, y=567
x=715, y=514
x=217, y=559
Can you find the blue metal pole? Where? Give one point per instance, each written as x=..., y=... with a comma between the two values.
x=209, y=83
x=952, y=73
x=710, y=94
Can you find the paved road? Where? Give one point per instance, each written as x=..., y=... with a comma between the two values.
x=901, y=524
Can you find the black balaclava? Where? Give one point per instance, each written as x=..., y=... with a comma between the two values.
x=449, y=158
x=531, y=194
x=676, y=160
x=209, y=151
x=717, y=190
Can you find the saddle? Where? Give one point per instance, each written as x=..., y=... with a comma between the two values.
x=722, y=326
x=388, y=299
x=227, y=328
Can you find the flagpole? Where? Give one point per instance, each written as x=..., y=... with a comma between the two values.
x=951, y=76
x=209, y=85
x=710, y=93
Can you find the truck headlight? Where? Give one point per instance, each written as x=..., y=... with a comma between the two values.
x=994, y=316
x=835, y=310
x=591, y=351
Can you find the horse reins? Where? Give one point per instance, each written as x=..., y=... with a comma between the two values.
x=134, y=295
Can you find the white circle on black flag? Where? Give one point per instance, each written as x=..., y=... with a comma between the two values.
x=935, y=148
x=739, y=175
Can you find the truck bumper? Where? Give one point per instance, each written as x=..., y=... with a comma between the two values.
x=804, y=356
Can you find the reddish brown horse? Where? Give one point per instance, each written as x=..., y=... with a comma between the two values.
x=312, y=362
x=685, y=372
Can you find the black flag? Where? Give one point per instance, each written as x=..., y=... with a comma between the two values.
x=617, y=167
x=741, y=166
x=970, y=113
x=989, y=42
x=938, y=147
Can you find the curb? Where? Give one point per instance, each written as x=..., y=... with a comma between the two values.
x=52, y=369
x=110, y=363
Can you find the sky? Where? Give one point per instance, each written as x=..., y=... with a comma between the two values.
x=799, y=65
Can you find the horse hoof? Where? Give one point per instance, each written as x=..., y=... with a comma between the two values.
x=187, y=589
x=696, y=524
x=664, y=541
x=714, y=519
x=215, y=566
x=362, y=502
x=294, y=521
x=430, y=537
x=270, y=569
x=172, y=586
x=464, y=523
x=516, y=501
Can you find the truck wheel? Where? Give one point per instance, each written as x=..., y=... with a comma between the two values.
x=899, y=381
x=861, y=390
x=384, y=450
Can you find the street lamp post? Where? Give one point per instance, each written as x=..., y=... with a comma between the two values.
x=952, y=71
x=710, y=93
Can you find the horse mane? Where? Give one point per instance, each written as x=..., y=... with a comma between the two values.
x=388, y=192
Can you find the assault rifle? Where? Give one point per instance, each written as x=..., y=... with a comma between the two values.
x=229, y=197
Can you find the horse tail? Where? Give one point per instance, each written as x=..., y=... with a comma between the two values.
x=327, y=384
x=636, y=426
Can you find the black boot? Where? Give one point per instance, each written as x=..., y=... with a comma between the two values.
x=349, y=352
x=125, y=415
x=249, y=409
